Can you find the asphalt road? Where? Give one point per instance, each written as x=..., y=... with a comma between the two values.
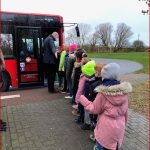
x=125, y=65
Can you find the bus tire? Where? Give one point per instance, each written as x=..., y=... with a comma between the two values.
x=5, y=82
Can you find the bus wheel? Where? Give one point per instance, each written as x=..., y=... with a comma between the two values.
x=5, y=82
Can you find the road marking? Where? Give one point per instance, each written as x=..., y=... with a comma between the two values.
x=10, y=96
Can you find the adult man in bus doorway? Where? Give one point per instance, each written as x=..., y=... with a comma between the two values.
x=50, y=59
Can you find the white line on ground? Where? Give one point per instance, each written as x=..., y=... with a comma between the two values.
x=10, y=96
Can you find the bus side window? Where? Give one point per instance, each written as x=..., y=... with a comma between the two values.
x=7, y=45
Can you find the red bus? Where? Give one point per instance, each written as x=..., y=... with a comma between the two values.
x=21, y=42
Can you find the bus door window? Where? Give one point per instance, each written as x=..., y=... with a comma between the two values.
x=23, y=50
x=30, y=48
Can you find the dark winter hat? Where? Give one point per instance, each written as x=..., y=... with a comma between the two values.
x=110, y=71
x=79, y=54
x=79, y=49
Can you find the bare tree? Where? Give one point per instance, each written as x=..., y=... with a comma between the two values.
x=9, y=42
x=84, y=29
x=93, y=41
x=71, y=37
x=104, y=32
x=122, y=36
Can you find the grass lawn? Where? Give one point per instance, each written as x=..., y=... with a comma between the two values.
x=140, y=57
x=139, y=98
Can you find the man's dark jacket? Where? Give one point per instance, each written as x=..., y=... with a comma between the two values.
x=49, y=50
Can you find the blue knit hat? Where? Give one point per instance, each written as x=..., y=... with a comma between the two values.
x=110, y=71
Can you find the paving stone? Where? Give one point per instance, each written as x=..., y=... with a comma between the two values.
x=13, y=136
x=21, y=139
x=27, y=134
x=38, y=144
x=43, y=121
x=15, y=143
x=24, y=148
x=16, y=148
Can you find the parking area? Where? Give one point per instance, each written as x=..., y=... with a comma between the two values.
x=37, y=120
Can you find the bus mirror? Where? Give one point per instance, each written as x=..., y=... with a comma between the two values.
x=77, y=31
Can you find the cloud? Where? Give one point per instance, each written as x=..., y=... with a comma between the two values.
x=87, y=11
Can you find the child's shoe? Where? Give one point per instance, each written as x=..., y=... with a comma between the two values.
x=63, y=91
x=92, y=137
x=68, y=97
x=75, y=107
x=75, y=112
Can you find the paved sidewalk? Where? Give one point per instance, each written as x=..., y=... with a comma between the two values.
x=43, y=125
x=41, y=121
x=137, y=130
x=135, y=78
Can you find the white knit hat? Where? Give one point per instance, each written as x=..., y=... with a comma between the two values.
x=110, y=71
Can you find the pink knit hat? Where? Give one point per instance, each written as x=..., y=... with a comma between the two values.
x=72, y=47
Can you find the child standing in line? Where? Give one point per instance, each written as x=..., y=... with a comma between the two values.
x=91, y=94
x=70, y=65
x=65, y=90
x=61, y=70
x=75, y=79
x=93, y=84
x=111, y=105
x=90, y=85
x=76, y=73
x=87, y=73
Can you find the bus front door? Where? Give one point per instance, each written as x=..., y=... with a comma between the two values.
x=28, y=44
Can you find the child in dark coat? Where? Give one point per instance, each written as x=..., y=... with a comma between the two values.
x=89, y=92
x=87, y=72
x=77, y=72
x=70, y=65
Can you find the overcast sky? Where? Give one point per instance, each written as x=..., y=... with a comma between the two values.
x=92, y=12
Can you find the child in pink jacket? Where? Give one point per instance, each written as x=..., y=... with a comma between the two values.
x=111, y=105
x=87, y=72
